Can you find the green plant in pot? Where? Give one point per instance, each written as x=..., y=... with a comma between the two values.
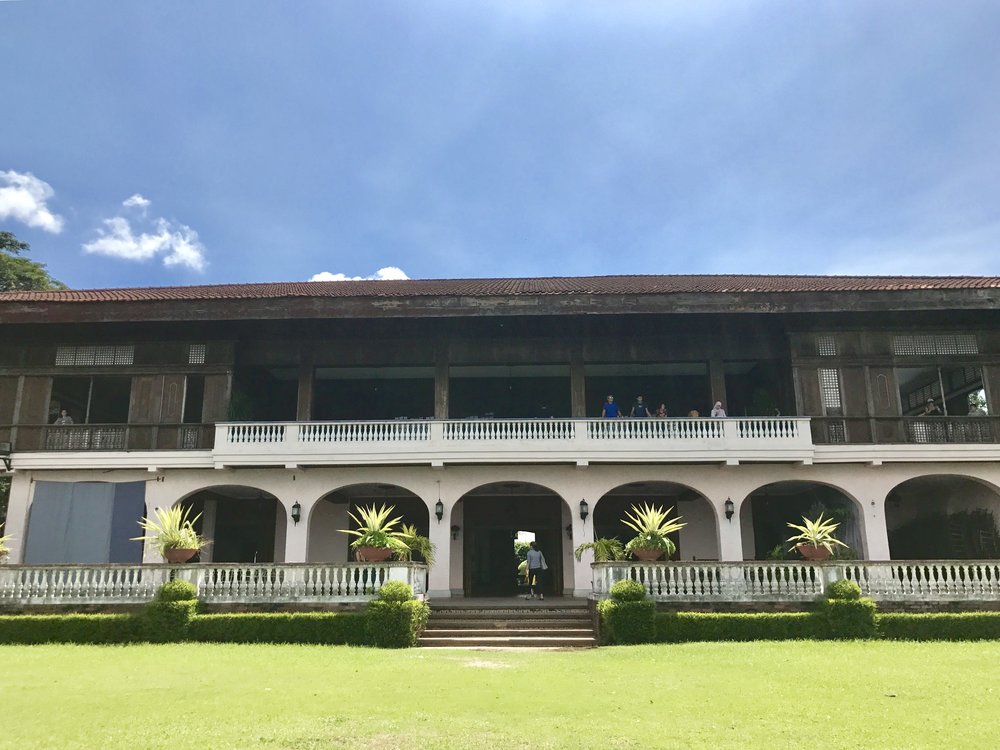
x=171, y=531
x=416, y=543
x=653, y=527
x=4, y=550
x=604, y=549
x=378, y=537
x=815, y=540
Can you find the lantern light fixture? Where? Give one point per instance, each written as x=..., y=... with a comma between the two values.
x=730, y=510
x=296, y=512
x=584, y=510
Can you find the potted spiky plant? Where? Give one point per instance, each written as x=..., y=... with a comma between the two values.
x=172, y=531
x=652, y=525
x=605, y=550
x=416, y=544
x=815, y=540
x=377, y=536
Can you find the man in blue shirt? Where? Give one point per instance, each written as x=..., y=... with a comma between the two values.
x=610, y=409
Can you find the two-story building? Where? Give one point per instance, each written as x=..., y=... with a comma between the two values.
x=475, y=408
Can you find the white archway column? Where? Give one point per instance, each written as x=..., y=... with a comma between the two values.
x=583, y=533
x=17, y=515
x=296, y=534
x=876, y=530
x=730, y=532
x=439, y=577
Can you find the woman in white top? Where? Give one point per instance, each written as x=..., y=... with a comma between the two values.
x=717, y=410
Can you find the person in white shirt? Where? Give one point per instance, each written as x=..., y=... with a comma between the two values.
x=717, y=410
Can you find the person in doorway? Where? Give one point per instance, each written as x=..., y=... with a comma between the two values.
x=639, y=408
x=537, y=568
x=64, y=418
x=717, y=410
x=610, y=408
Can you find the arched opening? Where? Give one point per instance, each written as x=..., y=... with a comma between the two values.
x=245, y=524
x=698, y=540
x=767, y=511
x=943, y=518
x=327, y=543
x=493, y=517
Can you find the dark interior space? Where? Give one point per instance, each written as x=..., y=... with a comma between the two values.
x=681, y=386
x=524, y=392
x=264, y=394
x=758, y=388
x=376, y=394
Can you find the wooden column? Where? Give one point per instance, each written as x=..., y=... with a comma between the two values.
x=577, y=385
x=717, y=380
x=441, y=384
x=307, y=379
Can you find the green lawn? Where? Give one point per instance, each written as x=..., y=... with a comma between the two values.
x=747, y=695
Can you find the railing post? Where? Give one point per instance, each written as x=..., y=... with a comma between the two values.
x=730, y=433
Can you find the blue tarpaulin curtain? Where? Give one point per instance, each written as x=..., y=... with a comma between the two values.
x=85, y=522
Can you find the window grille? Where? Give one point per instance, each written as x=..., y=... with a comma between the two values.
x=937, y=344
x=101, y=356
x=196, y=354
x=829, y=388
x=836, y=431
x=826, y=346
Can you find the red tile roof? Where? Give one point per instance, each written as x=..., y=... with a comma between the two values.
x=588, y=285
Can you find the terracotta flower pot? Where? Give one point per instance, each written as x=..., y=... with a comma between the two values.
x=647, y=555
x=372, y=554
x=815, y=554
x=179, y=555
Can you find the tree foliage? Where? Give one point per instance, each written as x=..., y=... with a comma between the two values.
x=17, y=273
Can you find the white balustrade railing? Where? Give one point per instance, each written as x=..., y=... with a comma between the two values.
x=416, y=440
x=231, y=583
x=509, y=429
x=895, y=581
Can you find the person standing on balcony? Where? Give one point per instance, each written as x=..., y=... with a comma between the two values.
x=63, y=418
x=537, y=568
x=639, y=408
x=661, y=411
x=610, y=408
x=931, y=410
x=717, y=410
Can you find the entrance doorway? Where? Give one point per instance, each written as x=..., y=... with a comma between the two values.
x=493, y=516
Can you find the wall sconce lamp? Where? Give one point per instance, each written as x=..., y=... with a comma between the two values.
x=296, y=513
x=584, y=510
x=454, y=531
x=730, y=509
x=569, y=531
x=439, y=510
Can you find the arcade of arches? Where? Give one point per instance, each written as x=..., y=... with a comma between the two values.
x=945, y=516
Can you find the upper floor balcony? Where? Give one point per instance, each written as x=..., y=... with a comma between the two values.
x=431, y=442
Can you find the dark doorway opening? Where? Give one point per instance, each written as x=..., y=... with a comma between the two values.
x=493, y=516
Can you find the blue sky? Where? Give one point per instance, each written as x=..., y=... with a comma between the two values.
x=265, y=141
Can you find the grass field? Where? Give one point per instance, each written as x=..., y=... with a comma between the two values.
x=734, y=695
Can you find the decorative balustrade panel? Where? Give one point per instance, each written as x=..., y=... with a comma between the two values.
x=655, y=429
x=255, y=432
x=801, y=581
x=364, y=432
x=79, y=584
x=504, y=429
x=768, y=429
x=227, y=583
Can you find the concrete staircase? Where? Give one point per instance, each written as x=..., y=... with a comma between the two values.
x=558, y=623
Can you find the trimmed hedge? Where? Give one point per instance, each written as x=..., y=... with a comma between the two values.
x=846, y=618
x=177, y=591
x=843, y=589
x=75, y=628
x=940, y=626
x=167, y=621
x=327, y=628
x=681, y=627
x=393, y=624
x=627, y=622
x=627, y=591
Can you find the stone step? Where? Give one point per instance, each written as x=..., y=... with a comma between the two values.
x=513, y=633
x=456, y=622
x=509, y=641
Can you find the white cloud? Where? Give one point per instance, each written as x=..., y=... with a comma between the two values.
x=389, y=273
x=23, y=198
x=137, y=201
x=177, y=244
